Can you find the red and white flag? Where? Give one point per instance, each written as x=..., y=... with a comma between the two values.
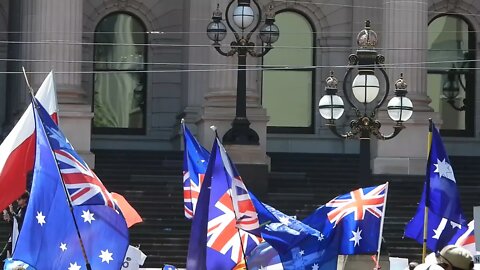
x=17, y=151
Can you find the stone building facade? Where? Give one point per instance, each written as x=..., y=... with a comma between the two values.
x=127, y=71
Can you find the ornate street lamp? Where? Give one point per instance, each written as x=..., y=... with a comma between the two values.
x=246, y=20
x=453, y=82
x=365, y=89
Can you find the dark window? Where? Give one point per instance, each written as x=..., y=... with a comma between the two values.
x=287, y=94
x=451, y=73
x=120, y=77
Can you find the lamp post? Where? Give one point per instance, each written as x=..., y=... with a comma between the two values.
x=365, y=89
x=246, y=20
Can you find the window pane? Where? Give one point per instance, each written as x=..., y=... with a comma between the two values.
x=287, y=94
x=452, y=119
x=118, y=35
x=451, y=43
x=294, y=45
x=119, y=100
x=447, y=41
x=288, y=98
x=119, y=95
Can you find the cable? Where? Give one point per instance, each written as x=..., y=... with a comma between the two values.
x=218, y=64
x=224, y=45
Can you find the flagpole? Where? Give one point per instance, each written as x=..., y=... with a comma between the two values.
x=182, y=123
x=214, y=128
x=381, y=226
x=34, y=105
x=427, y=192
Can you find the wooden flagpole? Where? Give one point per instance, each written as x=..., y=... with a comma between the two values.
x=427, y=192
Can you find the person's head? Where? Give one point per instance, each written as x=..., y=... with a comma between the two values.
x=453, y=257
x=23, y=200
x=428, y=266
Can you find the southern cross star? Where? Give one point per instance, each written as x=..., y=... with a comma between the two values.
x=40, y=218
x=106, y=256
x=74, y=266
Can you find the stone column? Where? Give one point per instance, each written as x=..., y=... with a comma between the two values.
x=405, y=41
x=53, y=32
x=199, y=15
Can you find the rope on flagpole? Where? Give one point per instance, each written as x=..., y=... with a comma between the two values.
x=35, y=106
x=427, y=192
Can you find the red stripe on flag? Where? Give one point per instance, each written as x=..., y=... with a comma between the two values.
x=13, y=177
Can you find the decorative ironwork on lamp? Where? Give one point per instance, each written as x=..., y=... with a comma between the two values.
x=365, y=89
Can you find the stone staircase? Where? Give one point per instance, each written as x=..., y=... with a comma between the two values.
x=298, y=183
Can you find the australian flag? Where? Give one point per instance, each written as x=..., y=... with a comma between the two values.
x=224, y=207
x=355, y=219
x=49, y=238
x=298, y=245
x=441, y=196
x=195, y=159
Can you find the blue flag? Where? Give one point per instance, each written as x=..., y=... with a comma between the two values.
x=218, y=238
x=195, y=159
x=298, y=245
x=355, y=219
x=440, y=230
x=440, y=191
x=440, y=194
x=49, y=238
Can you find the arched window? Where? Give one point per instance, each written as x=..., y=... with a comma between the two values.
x=288, y=94
x=451, y=73
x=120, y=77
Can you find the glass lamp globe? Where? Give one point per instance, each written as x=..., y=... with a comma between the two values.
x=216, y=31
x=365, y=87
x=400, y=109
x=243, y=16
x=331, y=107
x=450, y=88
x=269, y=33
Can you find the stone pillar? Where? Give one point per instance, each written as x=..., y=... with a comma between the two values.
x=199, y=13
x=53, y=32
x=405, y=26
x=219, y=110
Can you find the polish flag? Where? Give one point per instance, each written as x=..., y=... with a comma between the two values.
x=17, y=151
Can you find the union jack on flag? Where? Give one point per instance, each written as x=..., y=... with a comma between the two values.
x=357, y=219
x=245, y=212
x=195, y=159
x=223, y=234
x=224, y=212
x=82, y=184
x=358, y=202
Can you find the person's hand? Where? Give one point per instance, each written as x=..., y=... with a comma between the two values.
x=10, y=207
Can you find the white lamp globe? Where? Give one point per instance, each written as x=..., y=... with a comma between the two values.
x=331, y=107
x=400, y=109
x=365, y=87
x=243, y=16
